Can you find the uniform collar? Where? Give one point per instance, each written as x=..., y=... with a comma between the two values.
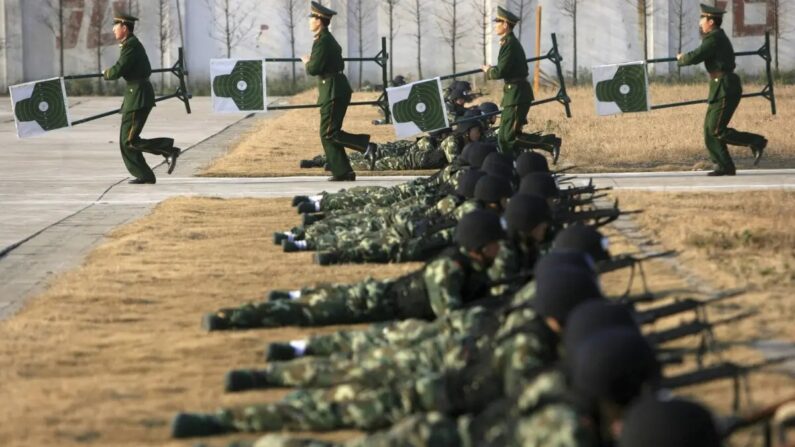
x=323, y=30
x=506, y=37
x=129, y=39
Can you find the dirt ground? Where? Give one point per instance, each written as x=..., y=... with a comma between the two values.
x=112, y=350
x=668, y=139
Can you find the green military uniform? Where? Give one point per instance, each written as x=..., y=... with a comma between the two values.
x=517, y=94
x=139, y=99
x=334, y=96
x=725, y=92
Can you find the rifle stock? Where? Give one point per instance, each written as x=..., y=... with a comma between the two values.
x=693, y=328
x=725, y=370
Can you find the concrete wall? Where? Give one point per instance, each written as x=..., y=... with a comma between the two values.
x=608, y=32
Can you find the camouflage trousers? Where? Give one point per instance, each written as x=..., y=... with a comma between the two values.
x=333, y=304
x=392, y=247
x=360, y=196
x=403, y=334
x=340, y=407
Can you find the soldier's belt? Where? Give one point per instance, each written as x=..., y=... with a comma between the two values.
x=137, y=81
x=325, y=76
x=515, y=80
x=718, y=74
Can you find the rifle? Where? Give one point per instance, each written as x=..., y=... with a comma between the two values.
x=724, y=370
x=571, y=203
x=563, y=170
x=619, y=262
x=678, y=307
x=693, y=328
x=735, y=423
x=585, y=189
x=600, y=217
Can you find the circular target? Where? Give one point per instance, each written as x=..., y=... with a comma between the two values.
x=423, y=107
x=627, y=89
x=46, y=106
x=243, y=85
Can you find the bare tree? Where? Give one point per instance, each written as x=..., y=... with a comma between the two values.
x=522, y=9
x=360, y=14
x=99, y=34
x=778, y=10
x=482, y=13
x=164, y=37
x=233, y=22
x=679, y=11
x=389, y=5
x=644, y=9
x=569, y=9
x=415, y=9
x=52, y=16
x=447, y=19
x=290, y=14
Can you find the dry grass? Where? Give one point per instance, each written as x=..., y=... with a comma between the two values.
x=731, y=240
x=668, y=139
x=112, y=350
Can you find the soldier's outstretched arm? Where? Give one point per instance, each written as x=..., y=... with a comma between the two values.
x=122, y=66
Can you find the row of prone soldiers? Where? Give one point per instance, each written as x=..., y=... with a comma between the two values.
x=503, y=337
x=438, y=149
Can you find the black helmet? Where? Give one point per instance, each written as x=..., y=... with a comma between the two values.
x=478, y=228
x=478, y=151
x=470, y=122
x=539, y=183
x=467, y=182
x=492, y=189
x=530, y=162
x=525, y=211
x=499, y=165
x=654, y=422
x=560, y=287
x=488, y=107
x=584, y=238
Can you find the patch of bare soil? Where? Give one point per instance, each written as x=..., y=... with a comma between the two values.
x=667, y=139
x=112, y=350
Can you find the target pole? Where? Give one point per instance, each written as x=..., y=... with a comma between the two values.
x=767, y=91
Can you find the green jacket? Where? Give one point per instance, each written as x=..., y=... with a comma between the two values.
x=717, y=54
x=326, y=63
x=133, y=65
x=512, y=66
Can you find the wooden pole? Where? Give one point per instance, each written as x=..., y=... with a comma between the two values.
x=537, y=74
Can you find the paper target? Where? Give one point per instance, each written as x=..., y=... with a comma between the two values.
x=622, y=88
x=417, y=107
x=39, y=107
x=238, y=85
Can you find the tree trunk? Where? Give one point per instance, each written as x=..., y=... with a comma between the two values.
x=359, y=24
x=574, y=39
x=454, y=31
x=419, y=40
x=292, y=38
x=228, y=31
x=60, y=27
x=391, y=40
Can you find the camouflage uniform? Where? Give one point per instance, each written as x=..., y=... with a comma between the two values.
x=440, y=286
x=398, y=156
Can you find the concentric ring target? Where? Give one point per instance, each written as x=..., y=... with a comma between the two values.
x=243, y=85
x=45, y=106
x=423, y=107
x=627, y=89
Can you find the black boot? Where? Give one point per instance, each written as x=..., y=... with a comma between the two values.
x=297, y=200
x=280, y=352
x=277, y=295
x=188, y=425
x=245, y=379
x=214, y=322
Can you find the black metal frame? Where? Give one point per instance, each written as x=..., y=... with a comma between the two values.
x=553, y=55
x=382, y=102
x=178, y=70
x=767, y=91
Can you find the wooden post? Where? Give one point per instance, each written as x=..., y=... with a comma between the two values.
x=537, y=74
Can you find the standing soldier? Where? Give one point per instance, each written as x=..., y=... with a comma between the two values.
x=334, y=96
x=725, y=92
x=139, y=99
x=517, y=95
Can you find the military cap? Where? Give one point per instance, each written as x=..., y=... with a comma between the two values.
x=506, y=16
x=470, y=122
x=463, y=86
x=592, y=317
x=318, y=10
x=529, y=162
x=553, y=261
x=478, y=228
x=656, y=422
x=468, y=181
x=711, y=11
x=497, y=165
x=525, y=211
x=584, y=238
x=492, y=189
x=560, y=287
x=120, y=17
x=614, y=365
x=539, y=183
x=458, y=94
x=478, y=151
x=488, y=107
